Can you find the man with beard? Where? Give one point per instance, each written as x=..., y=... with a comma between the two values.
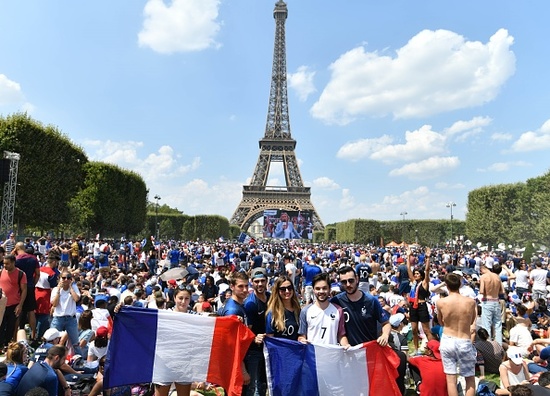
x=255, y=306
x=322, y=322
x=44, y=374
x=366, y=320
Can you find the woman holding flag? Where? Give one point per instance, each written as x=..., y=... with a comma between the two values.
x=418, y=298
x=182, y=299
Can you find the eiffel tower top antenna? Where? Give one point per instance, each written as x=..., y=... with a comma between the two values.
x=277, y=145
x=278, y=120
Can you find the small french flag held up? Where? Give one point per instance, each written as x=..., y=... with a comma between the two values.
x=298, y=369
x=244, y=238
x=149, y=345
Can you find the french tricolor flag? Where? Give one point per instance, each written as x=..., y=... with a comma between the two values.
x=149, y=345
x=298, y=369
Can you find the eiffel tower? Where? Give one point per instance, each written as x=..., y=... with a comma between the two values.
x=277, y=145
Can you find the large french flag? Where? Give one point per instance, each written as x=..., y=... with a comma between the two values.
x=149, y=345
x=298, y=369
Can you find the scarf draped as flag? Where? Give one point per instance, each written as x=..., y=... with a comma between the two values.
x=149, y=345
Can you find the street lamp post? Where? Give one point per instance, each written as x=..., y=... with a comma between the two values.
x=403, y=214
x=157, y=198
x=451, y=204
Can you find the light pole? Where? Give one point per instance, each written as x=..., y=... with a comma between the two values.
x=450, y=204
x=157, y=198
x=403, y=214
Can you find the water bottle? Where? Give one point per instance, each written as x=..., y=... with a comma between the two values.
x=28, y=331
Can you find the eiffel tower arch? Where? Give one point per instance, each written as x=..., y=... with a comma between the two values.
x=277, y=145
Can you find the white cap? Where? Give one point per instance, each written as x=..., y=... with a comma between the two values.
x=396, y=319
x=51, y=334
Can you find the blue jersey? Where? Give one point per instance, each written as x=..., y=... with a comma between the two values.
x=363, y=318
x=363, y=270
x=290, y=332
x=174, y=257
x=309, y=272
x=255, y=314
x=232, y=307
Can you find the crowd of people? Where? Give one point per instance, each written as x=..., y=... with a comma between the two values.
x=452, y=317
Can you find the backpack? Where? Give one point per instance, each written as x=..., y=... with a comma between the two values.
x=486, y=388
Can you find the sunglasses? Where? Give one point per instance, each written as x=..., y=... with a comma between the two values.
x=259, y=281
x=285, y=289
x=350, y=281
x=189, y=288
x=66, y=277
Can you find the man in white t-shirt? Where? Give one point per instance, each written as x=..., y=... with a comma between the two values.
x=538, y=278
x=322, y=322
x=290, y=268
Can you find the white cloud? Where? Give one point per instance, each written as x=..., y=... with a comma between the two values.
x=182, y=26
x=503, y=166
x=499, y=136
x=302, y=82
x=534, y=141
x=418, y=144
x=421, y=143
x=164, y=162
x=347, y=201
x=354, y=151
x=435, y=72
x=325, y=183
x=199, y=197
x=428, y=168
x=463, y=130
x=10, y=91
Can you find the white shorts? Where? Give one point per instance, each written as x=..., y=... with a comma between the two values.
x=458, y=354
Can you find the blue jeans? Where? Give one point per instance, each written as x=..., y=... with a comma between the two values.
x=42, y=324
x=534, y=368
x=491, y=315
x=255, y=365
x=69, y=324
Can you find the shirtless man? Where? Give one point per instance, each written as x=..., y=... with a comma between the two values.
x=490, y=286
x=457, y=315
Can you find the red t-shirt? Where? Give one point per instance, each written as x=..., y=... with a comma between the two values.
x=43, y=291
x=434, y=381
x=10, y=287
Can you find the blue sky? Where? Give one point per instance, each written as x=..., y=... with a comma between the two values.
x=397, y=106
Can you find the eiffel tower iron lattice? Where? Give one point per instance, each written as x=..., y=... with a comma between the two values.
x=277, y=145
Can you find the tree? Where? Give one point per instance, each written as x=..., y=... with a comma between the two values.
x=167, y=230
x=50, y=171
x=113, y=200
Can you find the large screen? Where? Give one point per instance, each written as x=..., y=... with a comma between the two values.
x=287, y=224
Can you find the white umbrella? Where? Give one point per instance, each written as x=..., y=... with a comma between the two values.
x=174, y=273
